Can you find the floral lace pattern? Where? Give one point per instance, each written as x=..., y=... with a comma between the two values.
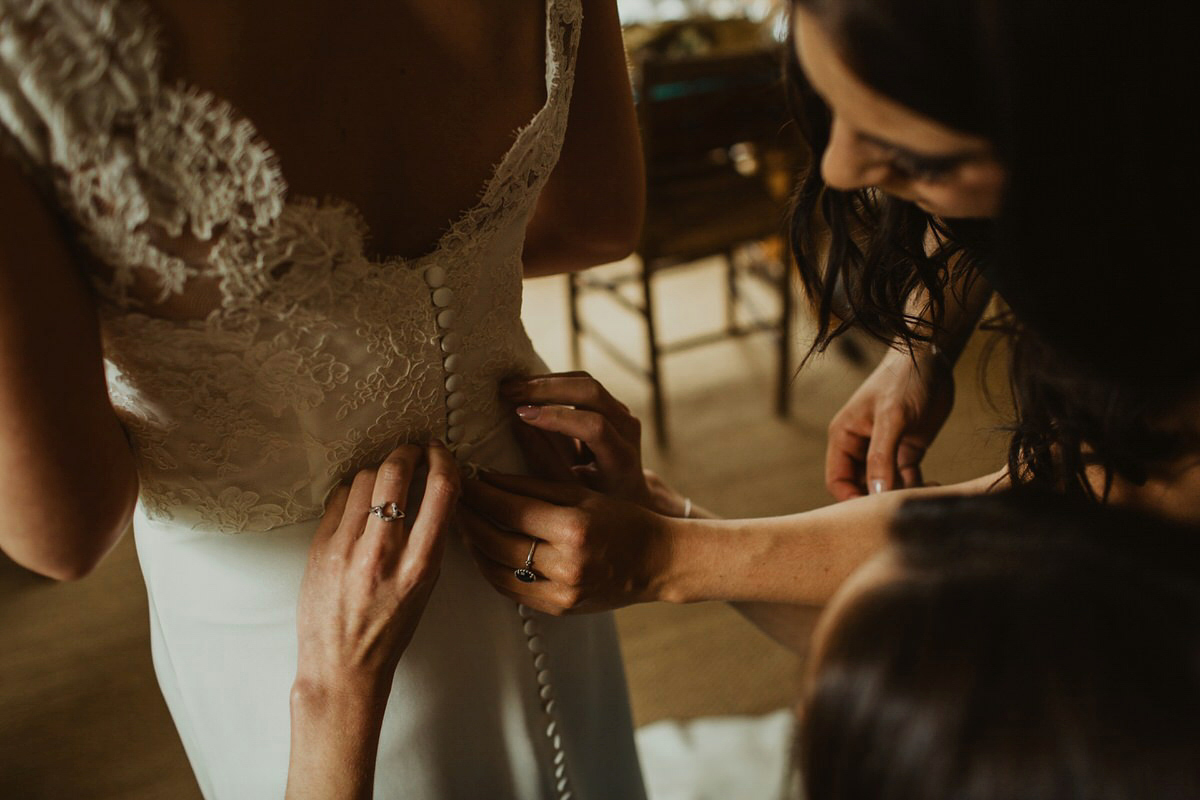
x=255, y=353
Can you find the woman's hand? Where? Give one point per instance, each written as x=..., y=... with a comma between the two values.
x=877, y=440
x=603, y=440
x=365, y=588
x=592, y=552
x=368, y=578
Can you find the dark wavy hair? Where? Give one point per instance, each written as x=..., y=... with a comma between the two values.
x=1075, y=432
x=1030, y=647
x=862, y=254
x=1091, y=250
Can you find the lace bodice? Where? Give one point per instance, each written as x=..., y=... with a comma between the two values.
x=256, y=354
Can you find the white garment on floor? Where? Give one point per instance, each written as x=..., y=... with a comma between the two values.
x=718, y=758
x=257, y=356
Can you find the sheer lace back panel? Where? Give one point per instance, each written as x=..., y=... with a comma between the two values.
x=256, y=354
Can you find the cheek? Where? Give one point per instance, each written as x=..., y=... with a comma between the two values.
x=979, y=196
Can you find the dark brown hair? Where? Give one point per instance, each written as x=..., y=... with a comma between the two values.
x=1032, y=648
x=1092, y=248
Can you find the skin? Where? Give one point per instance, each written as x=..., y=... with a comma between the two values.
x=61, y=447
x=601, y=550
x=363, y=593
x=609, y=534
x=459, y=79
x=878, y=439
x=870, y=131
x=475, y=71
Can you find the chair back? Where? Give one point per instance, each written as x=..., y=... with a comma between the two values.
x=710, y=125
x=692, y=108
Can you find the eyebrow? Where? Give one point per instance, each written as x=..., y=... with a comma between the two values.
x=939, y=159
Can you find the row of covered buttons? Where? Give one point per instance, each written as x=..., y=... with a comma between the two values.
x=447, y=318
x=456, y=399
x=537, y=648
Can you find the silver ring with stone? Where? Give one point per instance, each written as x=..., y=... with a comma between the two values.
x=526, y=574
x=388, y=512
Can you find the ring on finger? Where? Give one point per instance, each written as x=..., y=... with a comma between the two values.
x=526, y=574
x=388, y=512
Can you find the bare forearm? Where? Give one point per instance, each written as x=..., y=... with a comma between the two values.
x=335, y=742
x=786, y=623
x=798, y=560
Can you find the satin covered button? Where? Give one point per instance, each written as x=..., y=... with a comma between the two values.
x=457, y=416
x=447, y=318
x=443, y=297
x=452, y=343
x=454, y=383
x=435, y=277
x=452, y=361
x=455, y=433
x=456, y=400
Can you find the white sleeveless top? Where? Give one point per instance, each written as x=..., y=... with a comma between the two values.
x=256, y=354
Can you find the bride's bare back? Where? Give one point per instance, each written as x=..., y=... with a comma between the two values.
x=401, y=108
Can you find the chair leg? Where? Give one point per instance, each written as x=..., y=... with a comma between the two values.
x=576, y=325
x=731, y=292
x=655, y=375
x=787, y=311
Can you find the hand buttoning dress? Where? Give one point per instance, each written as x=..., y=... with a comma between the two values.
x=256, y=357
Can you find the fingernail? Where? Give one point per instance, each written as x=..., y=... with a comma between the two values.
x=436, y=443
x=876, y=486
x=529, y=412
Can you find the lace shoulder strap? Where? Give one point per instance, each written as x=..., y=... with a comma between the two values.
x=157, y=178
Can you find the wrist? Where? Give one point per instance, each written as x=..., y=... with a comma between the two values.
x=346, y=701
x=694, y=559
x=334, y=742
x=662, y=499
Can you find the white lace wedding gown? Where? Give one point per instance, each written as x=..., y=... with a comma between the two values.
x=257, y=356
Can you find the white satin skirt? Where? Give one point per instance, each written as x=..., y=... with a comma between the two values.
x=467, y=718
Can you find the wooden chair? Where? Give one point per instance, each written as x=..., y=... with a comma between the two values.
x=710, y=125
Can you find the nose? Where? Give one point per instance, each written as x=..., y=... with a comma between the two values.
x=847, y=164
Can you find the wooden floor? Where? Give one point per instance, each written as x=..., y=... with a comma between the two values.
x=81, y=716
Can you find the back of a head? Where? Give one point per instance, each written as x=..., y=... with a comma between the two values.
x=1031, y=648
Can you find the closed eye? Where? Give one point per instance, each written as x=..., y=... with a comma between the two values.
x=926, y=168
x=921, y=166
